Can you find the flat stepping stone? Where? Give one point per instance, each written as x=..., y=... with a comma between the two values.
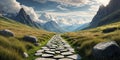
x=40, y=51
x=67, y=53
x=76, y=57
x=59, y=57
x=65, y=59
x=44, y=59
x=44, y=47
x=67, y=46
x=38, y=54
x=58, y=52
x=71, y=50
x=50, y=52
x=52, y=47
x=64, y=50
x=47, y=55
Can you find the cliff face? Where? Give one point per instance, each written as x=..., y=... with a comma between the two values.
x=105, y=12
x=24, y=18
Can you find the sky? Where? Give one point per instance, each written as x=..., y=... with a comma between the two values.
x=63, y=12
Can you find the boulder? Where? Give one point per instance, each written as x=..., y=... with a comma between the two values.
x=108, y=30
x=7, y=33
x=37, y=44
x=25, y=55
x=106, y=51
x=32, y=39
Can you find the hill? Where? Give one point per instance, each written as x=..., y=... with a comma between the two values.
x=14, y=47
x=83, y=41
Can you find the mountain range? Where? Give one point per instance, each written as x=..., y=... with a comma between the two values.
x=53, y=27
x=24, y=18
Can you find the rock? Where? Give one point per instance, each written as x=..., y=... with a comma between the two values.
x=65, y=59
x=44, y=59
x=44, y=48
x=7, y=33
x=66, y=53
x=25, y=55
x=75, y=57
x=71, y=50
x=106, y=51
x=40, y=51
x=57, y=52
x=47, y=55
x=64, y=50
x=50, y=52
x=108, y=30
x=36, y=44
x=32, y=39
x=38, y=54
x=59, y=57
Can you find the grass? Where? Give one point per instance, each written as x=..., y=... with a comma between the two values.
x=12, y=48
x=84, y=41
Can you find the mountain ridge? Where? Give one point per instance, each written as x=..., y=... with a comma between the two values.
x=103, y=12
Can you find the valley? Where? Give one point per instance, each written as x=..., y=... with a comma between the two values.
x=59, y=30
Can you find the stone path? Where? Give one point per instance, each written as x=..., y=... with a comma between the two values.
x=57, y=49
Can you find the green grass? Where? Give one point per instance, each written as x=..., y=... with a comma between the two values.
x=83, y=41
x=12, y=48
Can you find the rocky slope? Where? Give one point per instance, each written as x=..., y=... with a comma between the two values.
x=24, y=18
x=103, y=15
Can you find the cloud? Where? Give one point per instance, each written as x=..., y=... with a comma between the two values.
x=10, y=6
x=62, y=8
x=94, y=8
x=41, y=1
x=30, y=11
x=13, y=7
x=66, y=2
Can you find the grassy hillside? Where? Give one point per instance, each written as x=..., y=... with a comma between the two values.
x=83, y=41
x=12, y=48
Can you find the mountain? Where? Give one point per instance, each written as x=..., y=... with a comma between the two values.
x=82, y=26
x=45, y=17
x=106, y=14
x=53, y=27
x=24, y=18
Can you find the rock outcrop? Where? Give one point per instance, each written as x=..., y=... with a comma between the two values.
x=106, y=51
x=24, y=18
x=31, y=39
x=7, y=33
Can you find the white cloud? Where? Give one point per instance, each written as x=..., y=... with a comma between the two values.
x=67, y=2
x=61, y=8
x=41, y=1
x=30, y=11
x=12, y=6
x=94, y=8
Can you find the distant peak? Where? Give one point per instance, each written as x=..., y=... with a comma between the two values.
x=101, y=6
x=22, y=10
